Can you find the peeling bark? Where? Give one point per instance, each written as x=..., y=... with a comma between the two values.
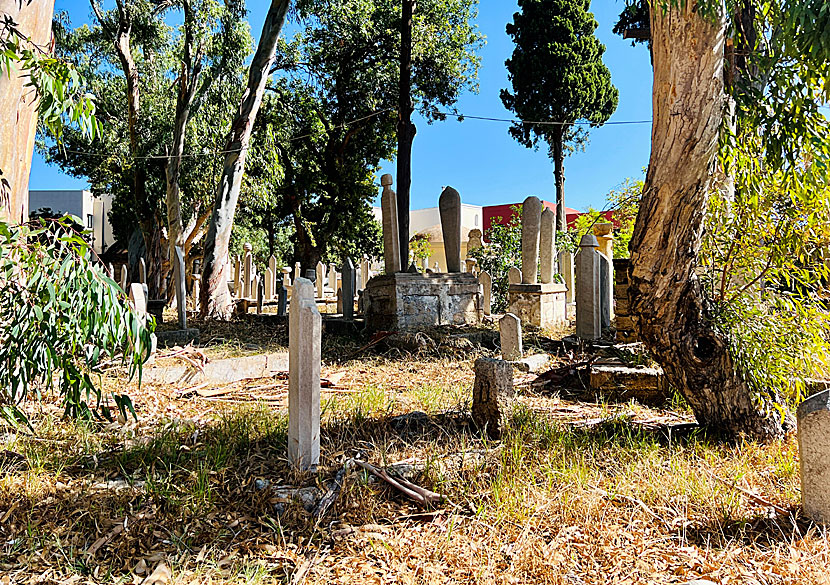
x=216, y=299
x=673, y=315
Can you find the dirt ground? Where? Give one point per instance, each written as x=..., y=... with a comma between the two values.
x=579, y=490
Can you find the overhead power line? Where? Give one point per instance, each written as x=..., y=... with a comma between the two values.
x=459, y=116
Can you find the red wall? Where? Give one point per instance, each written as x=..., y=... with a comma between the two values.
x=505, y=212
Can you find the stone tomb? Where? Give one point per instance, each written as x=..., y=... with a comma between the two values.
x=406, y=302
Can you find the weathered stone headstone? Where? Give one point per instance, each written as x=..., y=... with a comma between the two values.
x=531, y=219
x=298, y=270
x=566, y=269
x=493, y=395
x=547, y=245
x=391, y=235
x=124, y=277
x=304, y=332
x=142, y=271
x=111, y=271
x=339, y=300
x=471, y=265
x=332, y=278
x=588, y=321
x=510, y=333
x=605, y=238
x=138, y=299
x=349, y=288
x=311, y=274
x=449, y=205
x=514, y=275
x=269, y=283
x=272, y=264
x=181, y=288
x=286, y=278
x=606, y=291
x=282, y=301
x=364, y=272
x=320, y=281
x=814, y=456
x=247, y=272
x=474, y=240
x=260, y=294
x=237, y=277
x=486, y=282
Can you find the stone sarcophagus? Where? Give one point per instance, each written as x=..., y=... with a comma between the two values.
x=406, y=302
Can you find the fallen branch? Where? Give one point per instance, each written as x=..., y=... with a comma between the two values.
x=752, y=496
x=419, y=495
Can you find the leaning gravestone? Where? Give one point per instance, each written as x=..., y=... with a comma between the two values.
x=510, y=332
x=304, y=332
x=493, y=395
x=449, y=205
x=531, y=218
x=814, y=455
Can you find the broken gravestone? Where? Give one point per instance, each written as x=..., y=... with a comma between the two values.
x=493, y=395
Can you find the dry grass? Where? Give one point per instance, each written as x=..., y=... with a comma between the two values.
x=574, y=493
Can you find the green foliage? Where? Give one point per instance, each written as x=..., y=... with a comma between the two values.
x=557, y=73
x=419, y=249
x=503, y=252
x=61, y=317
x=329, y=117
x=221, y=44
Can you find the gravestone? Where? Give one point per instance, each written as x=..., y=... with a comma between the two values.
x=531, y=219
x=124, y=277
x=486, y=282
x=391, y=234
x=449, y=205
x=605, y=239
x=510, y=333
x=304, y=333
x=814, y=456
x=348, y=288
x=547, y=245
x=332, y=278
x=247, y=272
x=514, y=275
x=142, y=271
x=364, y=273
x=286, y=278
x=272, y=264
x=282, y=301
x=606, y=291
x=181, y=288
x=339, y=300
x=588, y=323
x=269, y=283
x=471, y=265
x=311, y=274
x=493, y=395
x=298, y=270
x=474, y=240
x=320, y=282
x=138, y=299
x=237, y=277
x=566, y=269
x=260, y=294
x=197, y=298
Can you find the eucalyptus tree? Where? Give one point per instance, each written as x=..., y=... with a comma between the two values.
x=165, y=95
x=558, y=78
x=718, y=311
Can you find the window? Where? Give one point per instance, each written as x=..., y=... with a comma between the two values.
x=90, y=220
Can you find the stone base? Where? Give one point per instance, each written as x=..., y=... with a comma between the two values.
x=540, y=305
x=408, y=302
x=179, y=337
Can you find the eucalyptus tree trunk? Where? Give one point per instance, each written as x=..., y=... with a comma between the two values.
x=406, y=130
x=188, y=81
x=673, y=316
x=18, y=111
x=216, y=299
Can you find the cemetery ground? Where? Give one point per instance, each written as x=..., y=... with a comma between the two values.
x=577, y=490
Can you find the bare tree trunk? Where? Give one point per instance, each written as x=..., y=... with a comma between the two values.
x=188, y=80
x=216, y=300
x=406, y=130
x=559, y=180
x=665, y=293
x=18, y=108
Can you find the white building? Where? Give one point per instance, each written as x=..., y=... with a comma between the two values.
x=428, y=222
x=93, y=211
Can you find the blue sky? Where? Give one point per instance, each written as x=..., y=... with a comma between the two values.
x=479, y=158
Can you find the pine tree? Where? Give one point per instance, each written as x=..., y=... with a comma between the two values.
x=557, y=75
